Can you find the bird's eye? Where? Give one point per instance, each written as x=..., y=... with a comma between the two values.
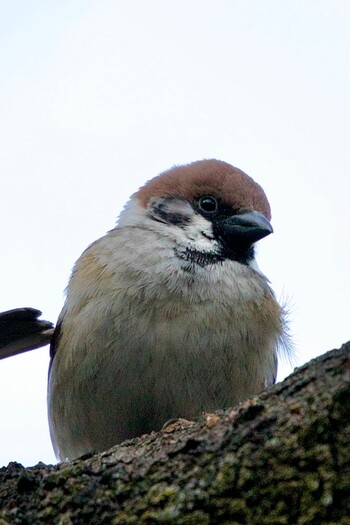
x=208, y=204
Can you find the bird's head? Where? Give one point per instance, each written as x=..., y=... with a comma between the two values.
x=210, y=210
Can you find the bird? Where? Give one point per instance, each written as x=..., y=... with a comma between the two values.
x=167, y=315
x=21, y=330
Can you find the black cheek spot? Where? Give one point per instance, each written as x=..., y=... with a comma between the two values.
x=171, y=211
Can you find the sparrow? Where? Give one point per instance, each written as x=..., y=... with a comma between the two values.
x=22, y=330
x=168, y=314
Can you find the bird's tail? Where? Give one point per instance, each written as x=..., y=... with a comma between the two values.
x=21, y=330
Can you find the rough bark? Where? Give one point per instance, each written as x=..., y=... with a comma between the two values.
x=280, y=458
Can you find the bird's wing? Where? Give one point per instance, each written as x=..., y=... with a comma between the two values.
x=21, y=330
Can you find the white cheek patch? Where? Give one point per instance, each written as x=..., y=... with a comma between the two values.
x=171, y=210
x=199, y=235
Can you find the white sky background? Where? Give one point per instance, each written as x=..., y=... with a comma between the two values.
x=96, y=97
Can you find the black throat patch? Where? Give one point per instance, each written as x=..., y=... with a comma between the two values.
x=201, y=259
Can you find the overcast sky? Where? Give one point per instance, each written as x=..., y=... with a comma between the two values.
x=99, y=96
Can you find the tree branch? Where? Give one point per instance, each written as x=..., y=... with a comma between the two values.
x=280, y=458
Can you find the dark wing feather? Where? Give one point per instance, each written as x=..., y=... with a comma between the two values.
x=21, y=330
x=55, y=342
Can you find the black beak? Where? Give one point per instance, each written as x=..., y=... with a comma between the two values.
x=243, y=229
